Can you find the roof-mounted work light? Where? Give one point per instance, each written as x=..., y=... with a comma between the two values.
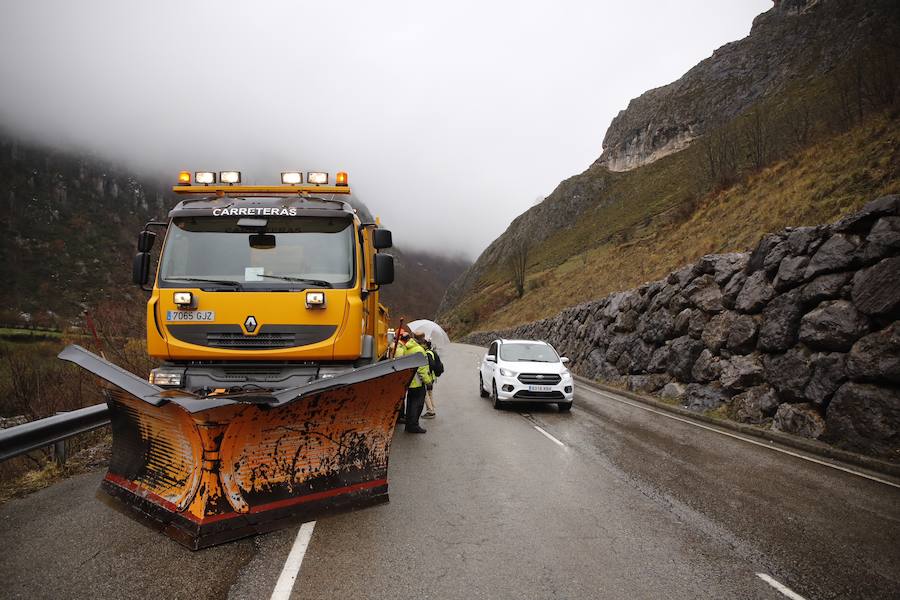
x=317, y=178
x=340, y=179
x=230, y=177
x=205, y=177
x=291, y=177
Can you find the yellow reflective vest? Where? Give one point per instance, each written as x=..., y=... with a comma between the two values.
x=423, y=374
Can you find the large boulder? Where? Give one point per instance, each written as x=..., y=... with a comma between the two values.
x=788, y=373
x=626, y=321
x=647, y=384
x=682, y=321
x=707, y=368
x=839, y=253
x=774, y=258
x=703, y=397
x=704, y=293
x=824, y=287
x=876, y=290
x=684, y=353
x=658, y=327
x=673, y=391
x=741, y=372
x=717, y=330
x=799, y=419
x=804, y=240
x=721, y=266
x=660, y=359
x=884, y=239
x=866, y=418
x=732, y=289
x=790, y=272
x=780, y=323
x=860, y=221
x=763, y=248
x=754, y=405
x=742, y=337
x=876, y=357
x=833, y=325
x=828, y=373
x=755, y=293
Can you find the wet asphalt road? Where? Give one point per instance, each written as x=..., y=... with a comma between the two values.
x=633, y=505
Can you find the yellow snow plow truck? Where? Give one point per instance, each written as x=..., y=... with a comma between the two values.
x=274, y=402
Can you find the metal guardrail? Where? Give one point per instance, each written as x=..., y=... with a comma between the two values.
x=51, y=430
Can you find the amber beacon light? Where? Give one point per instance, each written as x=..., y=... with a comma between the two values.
x=341, y=179
x=184, y=178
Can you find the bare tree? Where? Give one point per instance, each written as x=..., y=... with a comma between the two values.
x=799, y=125
x=517, y=261
x=758, y=139
x=720, y=155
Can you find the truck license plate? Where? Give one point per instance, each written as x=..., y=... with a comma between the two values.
x=540, y=388
x=190, y=315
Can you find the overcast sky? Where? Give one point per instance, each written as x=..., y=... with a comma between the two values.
x=451, y=118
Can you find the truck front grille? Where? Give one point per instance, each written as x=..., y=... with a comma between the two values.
x=251, y=342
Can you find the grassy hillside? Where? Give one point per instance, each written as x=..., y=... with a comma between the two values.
x=655, y=218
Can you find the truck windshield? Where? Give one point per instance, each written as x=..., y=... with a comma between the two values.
x=290, y=253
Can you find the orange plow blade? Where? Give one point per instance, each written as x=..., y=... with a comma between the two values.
x=208, y=470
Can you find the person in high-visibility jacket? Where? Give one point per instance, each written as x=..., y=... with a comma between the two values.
x=415, y=395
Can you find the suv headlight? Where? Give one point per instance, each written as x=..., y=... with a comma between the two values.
x=167, y=376
x=507, y=373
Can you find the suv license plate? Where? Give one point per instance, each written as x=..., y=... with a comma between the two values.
x=190, y=315
x=540, y=388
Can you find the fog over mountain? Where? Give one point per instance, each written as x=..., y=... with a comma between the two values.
x=450, y=119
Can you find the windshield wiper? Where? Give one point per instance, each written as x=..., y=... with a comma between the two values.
x=236, y=284
x=315, y=282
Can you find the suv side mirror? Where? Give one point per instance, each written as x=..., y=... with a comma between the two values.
x=490, y=358
x=382, y=238
x=146, y=239
x=140, y=268
x=384, y=269
x=563, y=360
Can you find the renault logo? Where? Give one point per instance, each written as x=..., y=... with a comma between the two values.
x=250, y=324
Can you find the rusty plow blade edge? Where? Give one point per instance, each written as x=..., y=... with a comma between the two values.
x=207, y=472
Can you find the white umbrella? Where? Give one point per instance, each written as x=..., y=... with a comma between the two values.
x=433, y=332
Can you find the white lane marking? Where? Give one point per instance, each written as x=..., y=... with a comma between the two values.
x=780, y=587
x=291, y=568
x=550, y=437
x=743, y=439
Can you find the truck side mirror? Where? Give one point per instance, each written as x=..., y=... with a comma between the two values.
x=384, y=269
x=146, y=239
x=140, y=268
x=382, y=238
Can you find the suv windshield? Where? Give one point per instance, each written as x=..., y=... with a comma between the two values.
x=288, y=253
x=528, y=353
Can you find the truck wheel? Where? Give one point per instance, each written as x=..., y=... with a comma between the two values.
x=481, y=389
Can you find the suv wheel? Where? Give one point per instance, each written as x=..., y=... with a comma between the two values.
x=495, y=398
x=565, y=406
x=481, y=389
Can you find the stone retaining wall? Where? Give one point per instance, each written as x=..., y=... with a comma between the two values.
x=801, y=333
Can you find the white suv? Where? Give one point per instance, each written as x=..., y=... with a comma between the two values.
x=525, y=370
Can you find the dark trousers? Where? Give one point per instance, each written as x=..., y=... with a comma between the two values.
x=415, y=401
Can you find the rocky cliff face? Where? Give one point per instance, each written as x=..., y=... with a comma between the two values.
x=794, y=40
x=801, y=334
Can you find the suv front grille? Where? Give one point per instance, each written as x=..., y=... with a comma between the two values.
x=540, y=378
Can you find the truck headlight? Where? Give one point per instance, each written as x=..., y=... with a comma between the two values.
x=315, y=299
x=167, y=376
x=507, y=373
x=183, y=299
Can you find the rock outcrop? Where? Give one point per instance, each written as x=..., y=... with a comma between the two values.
x=816, y=354
x=667, y=119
